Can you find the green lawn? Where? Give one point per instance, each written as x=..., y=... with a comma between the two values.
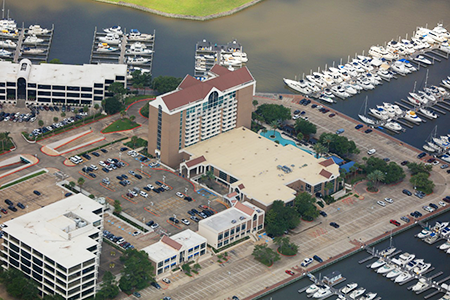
x=189, y=7
x=121, y=124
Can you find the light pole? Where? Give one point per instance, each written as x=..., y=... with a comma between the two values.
x=164, y=179
x=141, y=166
x=120, y=156
x=186, y=190
x=209, y=201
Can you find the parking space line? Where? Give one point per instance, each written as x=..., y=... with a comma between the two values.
x=173, y=224
x=126, y=198
x=88, y=177
x=139, y=170
x=147, y=210
x=112, y=190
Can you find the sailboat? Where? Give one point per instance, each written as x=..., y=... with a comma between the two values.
x=389, y=250
x=363, y=117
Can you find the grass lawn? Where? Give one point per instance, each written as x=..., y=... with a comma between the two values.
x=189, y=7
x=121, y=124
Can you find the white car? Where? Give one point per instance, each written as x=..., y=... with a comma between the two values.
x=94, y=167
x=133, y=193
x=371, y=151
x=381, y=203
x=150, y=186
x=154, y=226
x=109, y=160
x=428, y=209
x=101, y=163
x=388, y=200
x=436, y=162
x=185, y=222
x=136, y=233
x=442, y=203
x=166, y=280
x=143, y=194
x=307, y=261
x=130, y=152
x=179, y=194
x=295, y=117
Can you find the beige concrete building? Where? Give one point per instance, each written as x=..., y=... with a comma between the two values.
x=172, y=252
x=258, y=170
x=58, y=246
x=232, y=225
x=198, y=110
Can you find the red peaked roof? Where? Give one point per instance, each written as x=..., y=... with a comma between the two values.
x=195, y=161
x=325, y=173
x=169, y=242
x=244, y=208
x=327, y=162
x=191, y=89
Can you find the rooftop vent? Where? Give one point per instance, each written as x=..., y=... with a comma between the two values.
x=241, y=218
x=233, y=221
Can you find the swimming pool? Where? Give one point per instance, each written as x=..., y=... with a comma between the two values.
x=284, y=141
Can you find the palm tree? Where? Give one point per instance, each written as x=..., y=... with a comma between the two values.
x=375, y=177
x=329, y=186
x=320, y=149
x=274, y=126
x=132, y=118
x=134, y=140
x=81, y=182
x=300, y=136
x=328, y=139
x=122, y=113
x=255, y=104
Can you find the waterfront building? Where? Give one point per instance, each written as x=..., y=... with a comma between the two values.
x=58, y=84
x=172, y=252
x=258, y=170
x=58, y=246
x=231, y=225
x=199, y=110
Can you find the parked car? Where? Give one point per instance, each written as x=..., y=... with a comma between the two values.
x=166, y=280
x=137, y=295
x=179, y=194
x=138, y=176
x=381, y=203
x=68, y=194
x=9, y=202
x=388, y=200
x=173, y=220
x=155, y=284
x=395, y=222
x=136, y=233
x=404, y=163
x=185, y=222
x=188, y=199
x=423, y=154
x=306, y=262
x=334, y=224
x=441, y=203
x=37, y=192
x=371, y=151
x=154, y=226
x=359, y=126
x=317, y=258
x=406, y=192
x=322, y=213
x=20, y=205
x=12, y=208
x=419, y=194
x=368, y=130
x=104, y=150
x=406, y=219
x=289, y=272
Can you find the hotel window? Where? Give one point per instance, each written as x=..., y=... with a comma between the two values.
x=203, y=245
x=243, y=226
x=86, y=89
x=73, y=88
x=226, y=234
x=166, y=261
x=220, y=236
x=160, y=264
x=219, y=245
x=158, y=139
x=232, y=231
x=317, y=188
x=308, y=188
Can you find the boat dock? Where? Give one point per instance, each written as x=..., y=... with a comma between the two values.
x=440, y=53
x=36, y=52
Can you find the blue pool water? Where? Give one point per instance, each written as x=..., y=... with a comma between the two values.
x=283, y=141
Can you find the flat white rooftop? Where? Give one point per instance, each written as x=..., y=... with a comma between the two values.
x=253, y=160
x=222, y=220
x=160, y=251
x=62, y=74
x=188, y=238
x=53, y=231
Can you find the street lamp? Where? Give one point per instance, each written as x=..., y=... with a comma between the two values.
x=164, y=179
x=141, y=166
x=120, y=156
x=209, y=201
x=186, y=190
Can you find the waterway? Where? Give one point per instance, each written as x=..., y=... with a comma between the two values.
x=283, y=38
x=373, y=282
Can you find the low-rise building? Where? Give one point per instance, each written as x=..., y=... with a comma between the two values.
x=50, y=84
x=174, y=251
x=58, y=246
x=232, y=225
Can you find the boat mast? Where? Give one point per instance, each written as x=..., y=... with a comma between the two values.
x=3, y=10
x=414, y=89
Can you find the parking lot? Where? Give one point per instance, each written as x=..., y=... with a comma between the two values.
x=136, y=191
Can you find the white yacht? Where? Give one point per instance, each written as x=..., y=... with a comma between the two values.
x=403, y=277
x=440, y=225
x=421, y=285
x=414, y=101
x=110, y=38
x=441, y=143
x=347, y=68
x=114, y=29
x=7, y=44
x=138, y=48
x=428, y=148
x=9, y=32
x=199, y=67
x=440, y=29
x=386, y=269
x=312, y=289
x=409, y=67
x=421, y=267
x=33, y=39
x=379, y=114
x=317, y=80
x=431, y=238
x=295, y=85
x=446, y=83
x=356, y=293
x=373, y=78
x=425, y=34
x=138, y=60
x=428, y=113
x=385, y=74
x=419, y=43
x=406, y=257
x=327, y=92
x=445, y=47
x=135, y=35
x=419, y=98
x=104, y=47
x=365, y=84
x=445, y=245
x=33, y=50
x=412, y=117
x=3, y=52
x=326, y=98
x=424, y=233
x=427, y=95
x=8, y=24
x=433, y=146
x=400, y=67
x=349, y=89
x=394, y=273
x=339, y=91
x=380, y=52
x=369, y=296
x=437, y=91
x=446, y=158
x=322, y=292
x=37, y=30
x=366, y=120
x=422, y=59
x=394, y=126
x=307, y=84
x=380, y=262
x=393, y=107
x=349, y=287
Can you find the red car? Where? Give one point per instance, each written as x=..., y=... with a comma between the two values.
x=290, y=272
x=331, y=115
x=396, y=223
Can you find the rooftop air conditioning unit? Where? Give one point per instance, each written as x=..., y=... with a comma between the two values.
x=233, y=221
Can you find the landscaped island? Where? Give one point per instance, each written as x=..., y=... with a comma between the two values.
x=188, y=9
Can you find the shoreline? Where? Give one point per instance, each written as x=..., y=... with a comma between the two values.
x=180, y=16
x=352, y=251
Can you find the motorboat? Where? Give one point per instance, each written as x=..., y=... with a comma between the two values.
x=399, y=67
x=349, y=89
x=408, y=65
x=389, y=110
x=369, y=296
x=349, y=287
x=421, y=285
x=434, y=146
x=425, y=34
x=3, y=52
x=379, y=114
x=104, y=47
x=9, y=32
x=200, y=68
x=419, y=98
x=326, y=98
x=312, y=289
x=348, y=69
x=242, y=56
x=385, y=74
x=37, y=30
x=445, y=47
x=8, y=24
x=427, y=96
x=421, y=267
x=414, y=101
x=445, y=297
x=356, y=293
x=445, y=245
x=340, y=92
x=431, y=238
x=441, y=143
x=327, y=92
x=322, y=292
x=394, y=273
x=408, y=46
x=331, y=78
x=365, y=83
x=388, y=251
x=428, y=113
x=367, y=120
x=33, y=50
x=412, y=117
x=380, y=262
x=424, y=233
x=138, y=48
x=440, y=29
x=7, y=44
x=446, y=83
x=110, y=38
x=394, y=126
x=386, y=269
x=317, y=80
x=115, y=29
x=446, y=157
x=422, y=59
x=437, y=91
x=428, y=148
x=406, y=257
x=419, y=43
x=33, y=39
x=445, y=232
x=380, y=52
x=138, y=60
x=373, y=78
x=393, y=107
x=135, y=35
x=403, y=277
x=295, y=85
x=307, y=84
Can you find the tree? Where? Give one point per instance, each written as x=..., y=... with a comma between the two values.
x=255, y=104
x=55, y=119
x=305, y=127
x=117, y=89
x=329, y=186
x=55, y=61
x=300, y=136
x=273, y=112
x=108, y=288
x=281, y=218
x=320, y=149
x=117, y=206
x=40, y=123
x=137, y=271
x=304, y=204
x=140, y=79
x=265, y=255
x=186, y=268
x=132, y=118
x=17, y=285
x=327, y=139
x=421, y=182
x=123, y=112
x=375, y=177
x=416, y=168
x=72, y=184
x=394, y=173
x=96, y=107
x=285, y=246
x=63, y=114
x=165, y=84
x=338, y=144
x=134, y=140
x=112, y=105
x=274, y=125
x=81, y=181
